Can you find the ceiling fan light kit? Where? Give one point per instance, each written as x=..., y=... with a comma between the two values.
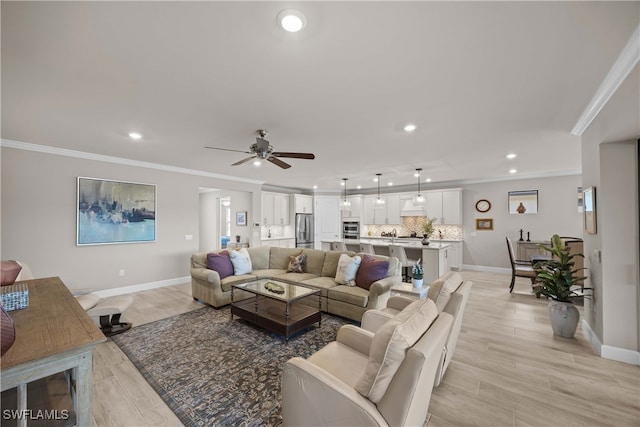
x=263, y=150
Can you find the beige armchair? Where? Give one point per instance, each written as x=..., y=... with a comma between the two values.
x=367, y=379
x=450, y=293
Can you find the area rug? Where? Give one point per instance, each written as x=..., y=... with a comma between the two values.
x=212, y=371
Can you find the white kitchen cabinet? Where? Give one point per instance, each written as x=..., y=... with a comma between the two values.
x=387, y=213
x=275, y=209
x=445, y=206
x=354, y=211
x=455, y=255
x=435, y=262
x=303, y=203
x=282, y=243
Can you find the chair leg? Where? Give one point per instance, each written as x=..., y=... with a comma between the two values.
x=513, y=282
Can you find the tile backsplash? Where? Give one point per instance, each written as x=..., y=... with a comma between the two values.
x=413, y=224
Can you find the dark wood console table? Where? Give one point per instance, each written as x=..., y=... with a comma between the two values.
x=53, y=334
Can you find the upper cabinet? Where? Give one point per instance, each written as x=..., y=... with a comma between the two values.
x=275, y=209
x=303, y=204
x=354, y=211
x=387, y=213
x=445, y=206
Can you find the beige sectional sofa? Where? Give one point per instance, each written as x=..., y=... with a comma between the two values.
x=319, y=273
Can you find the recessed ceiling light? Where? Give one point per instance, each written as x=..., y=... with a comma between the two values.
x=315, y=187
x=292, y=20
x=390, y=184
x=342, y=183
x=359, y=187
x=511, y=156
x=415, y=175
x=410, y=127
x=428, y=180
x=375, y=179
x=135, y=135
x=513, y=170
x=257, y=162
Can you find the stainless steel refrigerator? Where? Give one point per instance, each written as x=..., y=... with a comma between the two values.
x=304, y=231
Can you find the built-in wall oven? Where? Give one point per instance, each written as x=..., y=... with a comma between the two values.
x=350, y=230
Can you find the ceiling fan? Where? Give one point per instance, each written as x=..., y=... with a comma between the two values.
x=264, y=151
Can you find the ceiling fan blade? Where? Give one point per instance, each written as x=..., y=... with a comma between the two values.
x=308, y=156
x=229, y=149
x=243, y=161
x=279, y=162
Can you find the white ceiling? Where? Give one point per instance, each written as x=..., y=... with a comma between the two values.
x=480, y=79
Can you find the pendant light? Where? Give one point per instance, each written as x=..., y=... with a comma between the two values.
x=419, y=198
x=379, y=200
x=345, y=202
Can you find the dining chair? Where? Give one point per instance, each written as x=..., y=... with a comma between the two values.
x=406, y=263
x=338, y=246
x=519, y=268
x=367, y=248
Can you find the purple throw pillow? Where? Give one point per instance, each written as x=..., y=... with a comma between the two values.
x=7, y=331
x=371, y=270
x=10, y=270
x=220, y=262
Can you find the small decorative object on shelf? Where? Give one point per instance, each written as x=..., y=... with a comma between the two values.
x=274, y=287
x=417, y=274
x=521, y=239
x=528, y=239
x=15, y=297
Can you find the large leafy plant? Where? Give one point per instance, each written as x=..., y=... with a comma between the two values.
x=427, y=227
x=557, y=278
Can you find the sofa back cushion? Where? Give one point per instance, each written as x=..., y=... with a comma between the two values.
x=331, y=259
x=371, y=269
x=259, y=257
x=390, y=344
x=315, y=261
x=441, y=289
x=279, y=257
x=220, y=262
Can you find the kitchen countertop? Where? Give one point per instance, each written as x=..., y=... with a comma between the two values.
x=407, y=243
x=276, y=238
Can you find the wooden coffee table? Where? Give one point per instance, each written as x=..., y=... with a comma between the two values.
x=276, y=306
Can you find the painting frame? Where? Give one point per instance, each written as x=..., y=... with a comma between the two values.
x=110, y=211
x=589, y=210
x=523, y=202
x=484, y=224
x=241, y=218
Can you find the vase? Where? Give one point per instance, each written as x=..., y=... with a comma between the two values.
x=564, y=318
x=417, y=283
x=425, y=240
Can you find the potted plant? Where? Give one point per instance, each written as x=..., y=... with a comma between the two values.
x=557, y=280
x=427, y=229
x=417, y=274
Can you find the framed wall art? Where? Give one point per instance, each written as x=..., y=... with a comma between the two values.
x=111, y=212
x=241, y=218
x=589, y=196
x=484, y=223
x=523, y=202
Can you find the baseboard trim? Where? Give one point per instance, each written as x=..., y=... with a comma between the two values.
x=486, y=268
x=609, y=352
x=142, y=287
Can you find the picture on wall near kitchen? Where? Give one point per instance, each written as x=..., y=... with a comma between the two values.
x=590, y=210
x=112, y=212
x=523, y=202
x=484, y=224
x=241, y=218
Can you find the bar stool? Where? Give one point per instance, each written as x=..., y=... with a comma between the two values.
x=399, y=252
x=367, y=248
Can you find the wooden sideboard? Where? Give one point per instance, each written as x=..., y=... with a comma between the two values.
x=525, y=250
x=53, y=334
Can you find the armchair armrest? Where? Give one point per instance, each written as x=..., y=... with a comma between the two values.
x=398, y=302
x=373, y=319
x=312, y=396
x=355, y=338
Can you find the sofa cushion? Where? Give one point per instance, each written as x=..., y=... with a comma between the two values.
x=371, y=270
x=259, y=257
x=279, y=257
x=347, y=269
x=296, y=263
x=267, y=273
x=331, y=259
x=390, y=344
x=322, y=283
x=441, y=289
x=241, y=262
x=452, y=282
x=220, y=262
x=315, y=261
x=227, y=282
x=350, y=294
x=294, y=278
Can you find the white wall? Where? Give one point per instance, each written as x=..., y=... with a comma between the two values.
x=557, y=214
x=209, y=212
x=39, y=220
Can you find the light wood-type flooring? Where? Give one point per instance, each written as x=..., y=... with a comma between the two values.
x=508, y=369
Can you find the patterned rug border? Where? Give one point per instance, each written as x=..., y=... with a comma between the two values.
x=259, y=341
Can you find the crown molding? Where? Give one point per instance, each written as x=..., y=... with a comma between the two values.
x=627, y=60
x=120, y=161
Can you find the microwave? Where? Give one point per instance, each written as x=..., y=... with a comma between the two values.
x=351, y=230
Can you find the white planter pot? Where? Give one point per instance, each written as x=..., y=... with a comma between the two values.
x=417, y=283
x=564, y=318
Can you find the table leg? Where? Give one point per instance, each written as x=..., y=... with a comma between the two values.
x=22, y=404
x=84, y=388
x=231, y=302
x=320, y=309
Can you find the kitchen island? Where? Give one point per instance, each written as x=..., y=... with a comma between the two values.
x=434, y=257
